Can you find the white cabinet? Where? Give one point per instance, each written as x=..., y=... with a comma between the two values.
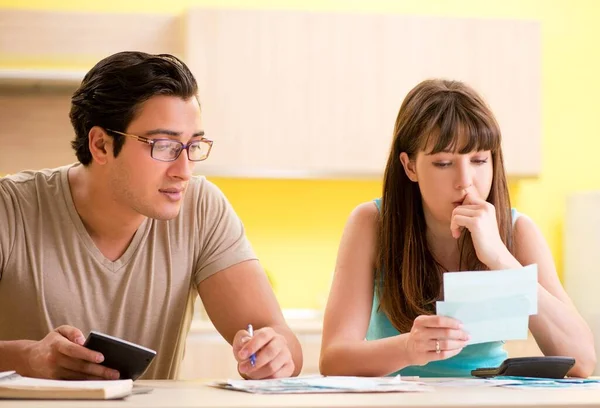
x=207, y=356
x=36, y=131
x=523, y=348
x=582, y=257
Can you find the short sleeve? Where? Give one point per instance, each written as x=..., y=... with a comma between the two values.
x=7, y=224
x=222, y=236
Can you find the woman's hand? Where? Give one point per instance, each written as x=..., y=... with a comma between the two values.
x=479, y=217
x=434, y=338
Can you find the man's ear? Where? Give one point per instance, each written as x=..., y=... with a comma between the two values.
x=100, y=145
x=409, y=167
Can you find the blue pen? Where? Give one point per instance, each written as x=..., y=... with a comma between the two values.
x=252, y=357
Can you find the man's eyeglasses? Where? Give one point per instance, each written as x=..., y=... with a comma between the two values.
x=169, y=150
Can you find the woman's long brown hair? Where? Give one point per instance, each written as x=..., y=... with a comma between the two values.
x=434, y=113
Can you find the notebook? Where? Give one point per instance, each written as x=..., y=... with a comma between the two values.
x=14, y=386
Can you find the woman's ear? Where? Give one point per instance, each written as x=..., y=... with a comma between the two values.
x=409, y=167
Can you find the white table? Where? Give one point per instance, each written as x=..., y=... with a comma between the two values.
x=196, y=394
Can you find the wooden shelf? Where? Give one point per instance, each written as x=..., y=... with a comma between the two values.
x=27, y=77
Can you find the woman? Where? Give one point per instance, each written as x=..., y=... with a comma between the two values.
x=445, y=207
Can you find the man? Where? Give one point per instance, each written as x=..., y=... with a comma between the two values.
x=122, y=241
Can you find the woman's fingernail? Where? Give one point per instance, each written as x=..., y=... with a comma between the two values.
x=243, y=354
x=243, y=367
x=245, y=340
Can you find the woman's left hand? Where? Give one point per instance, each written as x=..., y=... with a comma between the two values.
x=479, y=217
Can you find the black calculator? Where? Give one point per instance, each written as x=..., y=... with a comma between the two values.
x=538, y=367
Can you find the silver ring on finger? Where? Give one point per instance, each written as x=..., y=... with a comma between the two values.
x=437, y=347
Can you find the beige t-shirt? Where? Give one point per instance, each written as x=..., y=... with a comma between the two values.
x=51, y=272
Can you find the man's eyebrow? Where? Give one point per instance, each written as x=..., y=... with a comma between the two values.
x=170, y=133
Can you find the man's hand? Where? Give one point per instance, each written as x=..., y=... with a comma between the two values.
x=61, y=355
x=273, y=356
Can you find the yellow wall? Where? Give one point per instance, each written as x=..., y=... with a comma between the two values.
x=295, y=225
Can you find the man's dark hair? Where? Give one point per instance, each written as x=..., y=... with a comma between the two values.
x=114, y=89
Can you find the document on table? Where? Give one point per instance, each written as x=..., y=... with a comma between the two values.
x=529, y=382
x=492, y=305
x=321, y=384
x=517, y=382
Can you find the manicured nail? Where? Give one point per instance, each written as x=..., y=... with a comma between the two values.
x=99, y=358
x=245, y=340
x=80, y=340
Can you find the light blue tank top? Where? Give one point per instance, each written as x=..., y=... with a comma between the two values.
x=490, y=354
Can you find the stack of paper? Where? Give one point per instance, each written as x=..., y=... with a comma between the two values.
x=320, y=384
x=492, y=305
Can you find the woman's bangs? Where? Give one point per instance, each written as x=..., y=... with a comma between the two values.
x=463, y=133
